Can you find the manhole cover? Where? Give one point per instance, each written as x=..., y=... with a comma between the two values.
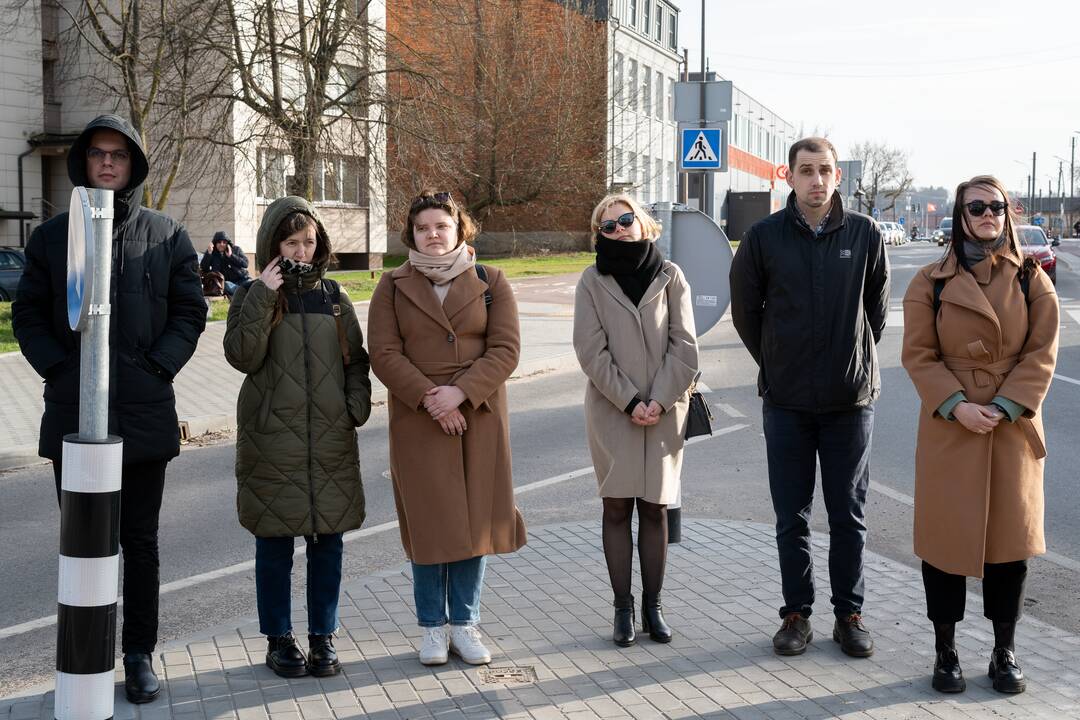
x=515, y=674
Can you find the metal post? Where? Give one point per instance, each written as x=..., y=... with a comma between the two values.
x=1034, y=180
x=704, y=207
x=89, y=563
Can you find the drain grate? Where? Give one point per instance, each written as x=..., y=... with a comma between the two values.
x=511, y=674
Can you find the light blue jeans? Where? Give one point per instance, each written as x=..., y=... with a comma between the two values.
x=452, y=588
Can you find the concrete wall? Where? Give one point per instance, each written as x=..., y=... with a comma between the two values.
x=21, y=113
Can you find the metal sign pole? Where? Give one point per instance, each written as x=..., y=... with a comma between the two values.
x=90, y=480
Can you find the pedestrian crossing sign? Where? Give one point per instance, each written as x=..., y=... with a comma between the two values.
x=701, y=149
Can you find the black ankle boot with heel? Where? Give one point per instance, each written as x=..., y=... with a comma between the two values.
x=652, y=619
x=623, y=633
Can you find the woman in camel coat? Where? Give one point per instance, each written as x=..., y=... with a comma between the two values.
x=634, y=337
x=444, y=343
x=981, y=357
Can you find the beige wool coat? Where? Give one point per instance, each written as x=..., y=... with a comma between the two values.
x=979, y=498
x=648, y=351
x=454, y=494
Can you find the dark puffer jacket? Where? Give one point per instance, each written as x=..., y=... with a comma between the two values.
x=157, y=314
x=297, y=465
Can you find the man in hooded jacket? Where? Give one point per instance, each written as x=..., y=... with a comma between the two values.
x=229, y=260
x=157, y=314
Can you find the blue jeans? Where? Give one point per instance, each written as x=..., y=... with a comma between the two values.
x=840, y=441
x=230, y=288
x=455, y=585
x=273, y=583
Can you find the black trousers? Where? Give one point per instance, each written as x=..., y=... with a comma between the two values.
x=141, y=487
x=1003, y=592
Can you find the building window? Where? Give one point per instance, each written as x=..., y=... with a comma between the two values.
x=616, y=163
x=631, y=167
x=659, y=180
x=633, y=13
x=631, y=84
x=673, y=21
x=671, y=179
x=648, y=17
x=644, y=184
x=659, y=95
x=617, y=90
x=659, y=32
x=341, y=180
x=272, y=177
x=646, y=90
x=671, y=99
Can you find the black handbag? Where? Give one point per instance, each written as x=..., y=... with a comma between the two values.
x=699, y=417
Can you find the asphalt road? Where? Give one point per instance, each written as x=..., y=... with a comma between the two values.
x=725, y=477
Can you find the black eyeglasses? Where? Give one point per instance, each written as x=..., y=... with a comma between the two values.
x=439, y=198
x=626, y=220
x=120, y=156
x=977, y=207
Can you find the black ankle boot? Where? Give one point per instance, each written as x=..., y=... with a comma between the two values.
x=623, y=633
x=652, y=619
x=285, y=657
x=322, y=657
x=140, y=683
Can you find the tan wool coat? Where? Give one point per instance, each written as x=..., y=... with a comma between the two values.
x=454, y=494
x=649, y=351
x=979, y=498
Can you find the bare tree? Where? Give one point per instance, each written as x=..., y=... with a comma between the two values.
x=310, y=75
x=885, y=174
x=516, y=117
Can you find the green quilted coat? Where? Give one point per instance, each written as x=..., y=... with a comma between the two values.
x=297, y=466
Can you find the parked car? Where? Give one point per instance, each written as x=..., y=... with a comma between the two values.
x=1036, y=244
x=891, y=232
x=943, y=234
x=12, y=263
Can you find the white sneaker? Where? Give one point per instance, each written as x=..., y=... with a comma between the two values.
x=466, y=643
x=435, y=648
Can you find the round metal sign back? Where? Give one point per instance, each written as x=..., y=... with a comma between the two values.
x=80, y=258
x=701, y=249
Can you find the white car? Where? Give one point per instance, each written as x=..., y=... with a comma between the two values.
x=892, y=232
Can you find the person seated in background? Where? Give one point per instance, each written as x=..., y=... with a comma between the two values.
x=223, y=257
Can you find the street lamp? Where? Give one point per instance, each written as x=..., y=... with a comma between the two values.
x=859, y=193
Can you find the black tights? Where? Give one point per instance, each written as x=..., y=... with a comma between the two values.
x=619, y=544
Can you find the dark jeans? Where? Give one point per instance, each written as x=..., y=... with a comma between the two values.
x=273, y=583
x=141, y=487
x=840, y=441
x=1003, y=592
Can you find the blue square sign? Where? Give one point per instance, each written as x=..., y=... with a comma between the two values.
x=700, y=149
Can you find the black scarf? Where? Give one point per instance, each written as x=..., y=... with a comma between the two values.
x=634, y=265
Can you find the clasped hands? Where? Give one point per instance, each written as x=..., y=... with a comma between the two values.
x=646, y=415
x=979, y=419
x=442, y=404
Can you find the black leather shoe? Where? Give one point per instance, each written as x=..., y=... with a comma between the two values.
x=853, y=636
x=948, y=677
x=623, y=633
x=652, y=619
x=793, y=636
x=1005, y=672
x=285, y=657
x=140, y=683
x=322, y=657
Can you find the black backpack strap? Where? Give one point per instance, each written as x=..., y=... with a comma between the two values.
x=939, y=285
x=331, y=288
x=481, y=272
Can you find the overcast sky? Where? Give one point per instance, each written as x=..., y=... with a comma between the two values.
x=965, y=88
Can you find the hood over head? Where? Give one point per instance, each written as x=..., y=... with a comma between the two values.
x=222, y=235
x=265, y=247
x=130, y=196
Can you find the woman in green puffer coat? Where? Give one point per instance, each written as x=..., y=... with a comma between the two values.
x=295, y=335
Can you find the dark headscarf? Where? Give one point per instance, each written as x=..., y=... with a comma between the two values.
x=634, y=265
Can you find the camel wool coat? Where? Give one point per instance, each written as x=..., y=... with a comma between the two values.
x=979, y=498
x=454, y=494
x=649, y=351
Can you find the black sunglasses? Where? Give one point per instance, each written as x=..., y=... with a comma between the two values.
x=439, y=198
x=977, y=207
x=626, y=220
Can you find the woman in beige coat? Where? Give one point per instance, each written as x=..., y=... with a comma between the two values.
x=444, y=342
x=634, y=337
x=980, y=344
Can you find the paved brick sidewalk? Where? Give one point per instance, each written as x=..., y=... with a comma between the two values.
x=547, y=608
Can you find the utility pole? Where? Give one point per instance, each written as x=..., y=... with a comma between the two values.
x=1034, y=179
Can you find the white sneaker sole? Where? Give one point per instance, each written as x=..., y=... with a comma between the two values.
x=486, y=660
x=435, y=661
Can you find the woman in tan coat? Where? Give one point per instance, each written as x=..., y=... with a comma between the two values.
x=444, y=341
x=980, y=344
x=634, y=337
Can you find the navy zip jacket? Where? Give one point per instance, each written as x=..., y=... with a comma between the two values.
x=811, y=309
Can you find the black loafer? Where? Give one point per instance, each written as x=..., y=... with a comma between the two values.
x=140, y=683
x=322, y=658
x=793, y=636
x=1006, y=673
x=285, y=657
x=948, y=677
x=853, y=636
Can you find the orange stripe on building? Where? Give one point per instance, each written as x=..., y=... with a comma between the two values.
x=739, y=159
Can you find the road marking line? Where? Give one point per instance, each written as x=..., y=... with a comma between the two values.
x=1066, y=379
x=249, y=565
x=1074, y=314
x=729, y=411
